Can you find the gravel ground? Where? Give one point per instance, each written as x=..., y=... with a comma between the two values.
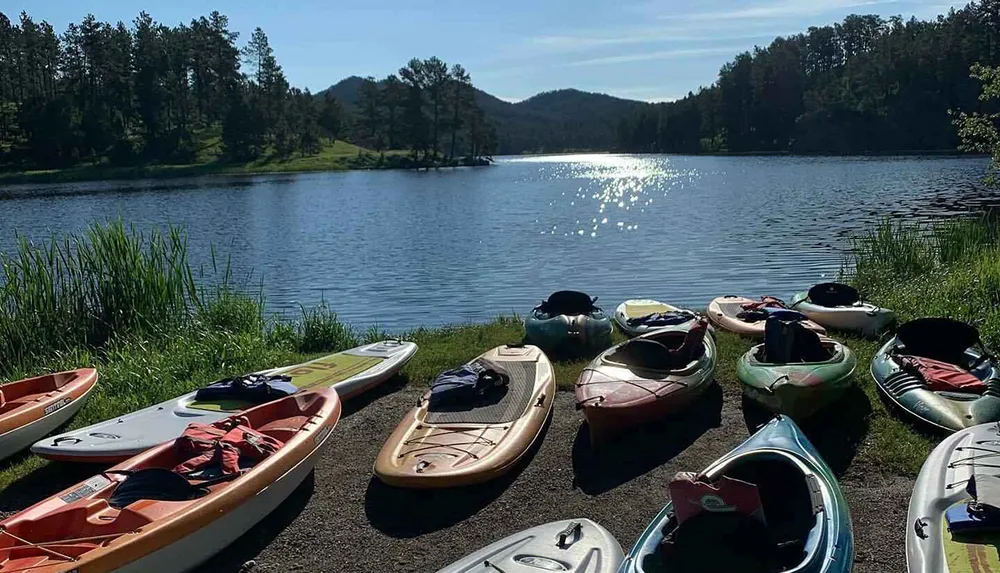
x=343, y=520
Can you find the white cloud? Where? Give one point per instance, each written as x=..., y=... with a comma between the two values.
x=655, y=55
x=779, y=10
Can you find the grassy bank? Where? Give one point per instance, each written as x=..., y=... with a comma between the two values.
x=130, y=304
x=333, y=156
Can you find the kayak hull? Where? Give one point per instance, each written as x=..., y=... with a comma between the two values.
x=568, y=333
x=118, y=439
x=588, y=548
x=614, y=397
x=798, y=390
x=945, y=411
x=831, y=545
x=423, y=452
x=43, y=411
x=723, y=311
x=930, y=547
x=862, y=318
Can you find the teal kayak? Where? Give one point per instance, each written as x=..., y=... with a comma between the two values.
x=568, y=321
x=808, y=521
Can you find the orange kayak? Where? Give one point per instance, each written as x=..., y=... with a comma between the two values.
x=32, y=408
x=143, y=516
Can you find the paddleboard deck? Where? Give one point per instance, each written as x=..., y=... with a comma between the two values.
x=349, y=373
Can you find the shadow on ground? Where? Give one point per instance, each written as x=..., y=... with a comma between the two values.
x=353, y=405
x=251, y=543
x=638, y=451
x=44, y=482
x=836, y=431
x=403, y=513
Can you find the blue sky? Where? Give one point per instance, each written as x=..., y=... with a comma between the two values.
x=642, y=49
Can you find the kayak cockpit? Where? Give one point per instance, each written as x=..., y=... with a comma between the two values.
x=772, y=522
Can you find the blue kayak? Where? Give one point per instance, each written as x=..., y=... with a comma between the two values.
x=805, y=526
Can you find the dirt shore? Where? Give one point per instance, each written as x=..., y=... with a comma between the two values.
x=343, y=520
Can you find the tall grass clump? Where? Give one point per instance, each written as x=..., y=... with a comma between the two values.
x=79, y=290
x=948, y=268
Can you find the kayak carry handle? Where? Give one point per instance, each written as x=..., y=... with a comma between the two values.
x=918, y=528
x=574, y=529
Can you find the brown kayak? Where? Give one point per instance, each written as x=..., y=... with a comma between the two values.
x=724, y=313
x=436, y=447
x=645, y=379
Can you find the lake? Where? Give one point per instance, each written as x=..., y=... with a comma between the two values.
x=403, y=249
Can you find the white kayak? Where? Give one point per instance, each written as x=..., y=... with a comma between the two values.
x=630, y=314
x=573, y=545
x=349, y=373
x=839, y=307
x=933, y=545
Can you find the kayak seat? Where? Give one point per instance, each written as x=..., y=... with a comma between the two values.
x=568, y=302
x=788, y=342
x=159, y=484
x=832, y=295
x=666, y=351
x=941, y=339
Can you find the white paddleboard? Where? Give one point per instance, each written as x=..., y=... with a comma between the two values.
x=349, y=373
x=575, y=545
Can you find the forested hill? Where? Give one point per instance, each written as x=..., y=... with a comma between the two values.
x=865, y=85
x=552, y=121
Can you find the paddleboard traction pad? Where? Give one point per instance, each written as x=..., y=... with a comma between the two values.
x=507, y=407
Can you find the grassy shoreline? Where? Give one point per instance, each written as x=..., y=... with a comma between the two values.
x=129, y=304
x=334, y=156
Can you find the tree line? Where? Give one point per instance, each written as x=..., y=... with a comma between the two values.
x=427, y=107
x=150, y=93
x=864, y=85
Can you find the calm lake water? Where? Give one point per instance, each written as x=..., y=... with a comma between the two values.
x=404, y=249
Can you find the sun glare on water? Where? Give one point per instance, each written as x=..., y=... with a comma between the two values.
x=613, y=190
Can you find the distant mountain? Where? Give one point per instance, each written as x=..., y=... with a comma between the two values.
x=346, y=90
x=560, y=120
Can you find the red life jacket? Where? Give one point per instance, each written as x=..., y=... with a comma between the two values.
x=692, y=497
x=207, y=445
x=942, y=376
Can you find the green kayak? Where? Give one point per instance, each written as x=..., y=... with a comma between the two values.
x=568, y=322
x=796, y=372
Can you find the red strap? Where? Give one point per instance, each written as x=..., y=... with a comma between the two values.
x=765, y=302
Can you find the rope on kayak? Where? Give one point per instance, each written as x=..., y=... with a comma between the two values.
x=486, y=563
x=477, y=440
x=973, y=460
x=44, y=546
x=611, y=379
